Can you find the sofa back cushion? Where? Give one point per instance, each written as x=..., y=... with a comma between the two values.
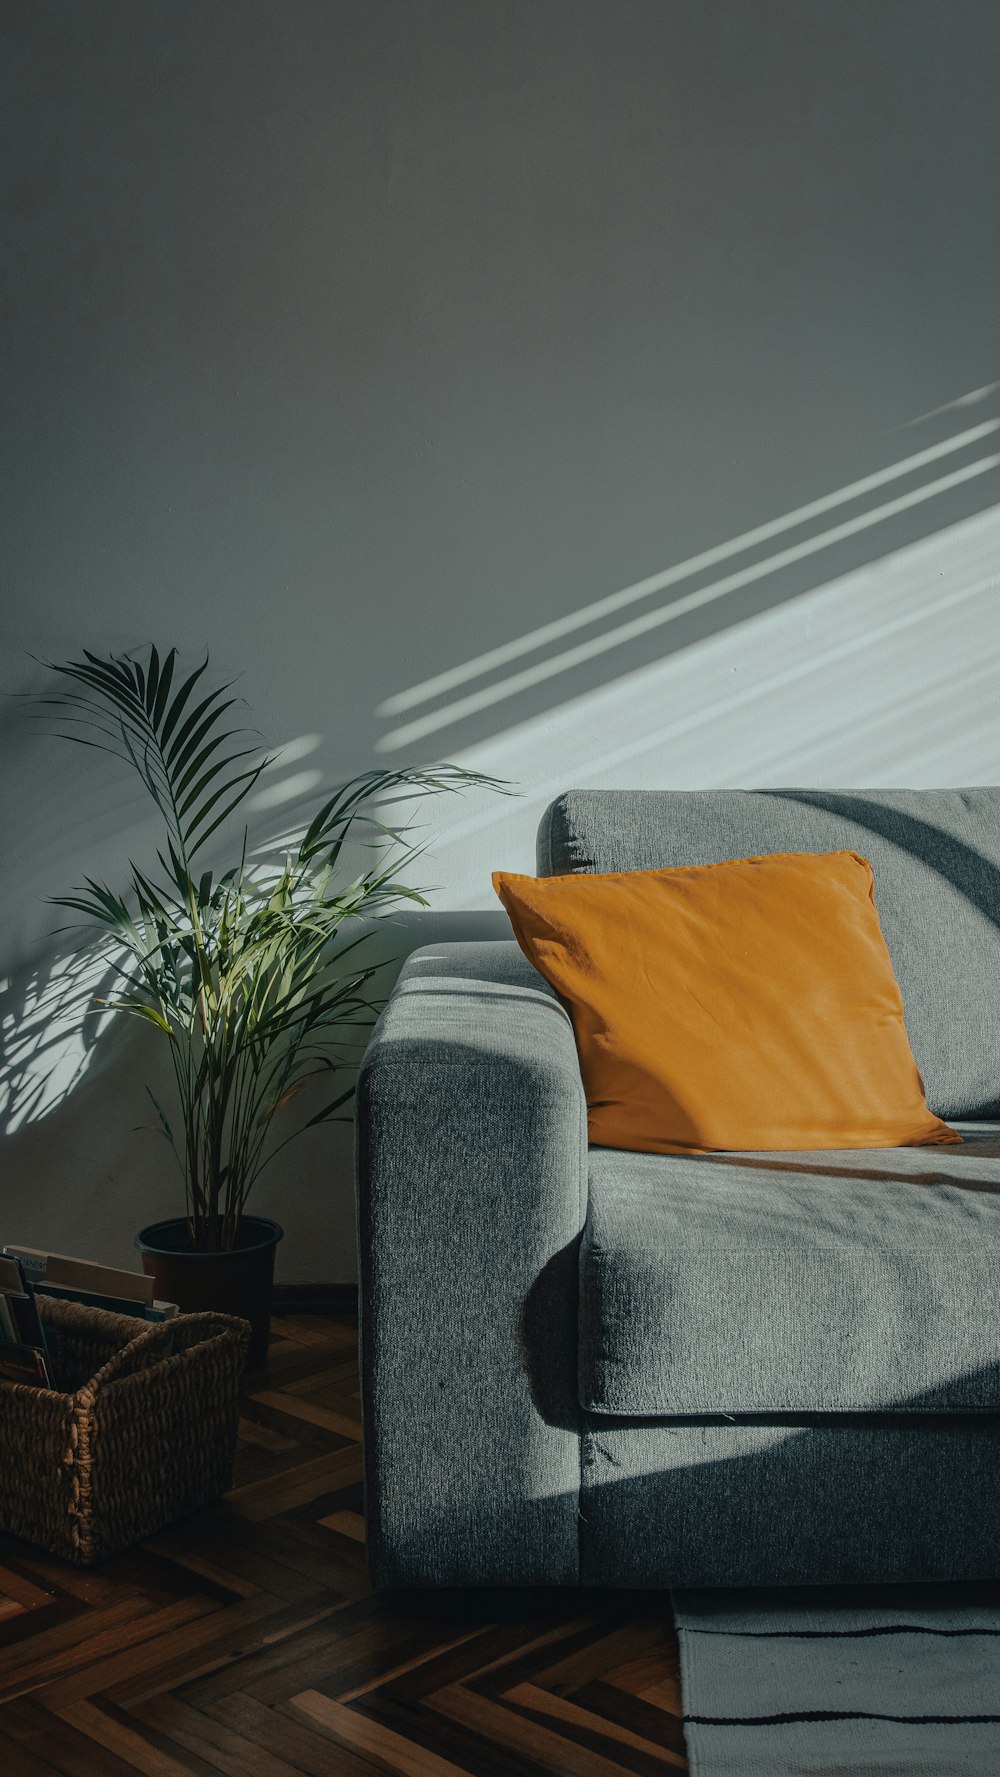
x=936, y=858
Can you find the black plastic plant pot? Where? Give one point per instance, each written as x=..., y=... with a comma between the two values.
x=238, y=1282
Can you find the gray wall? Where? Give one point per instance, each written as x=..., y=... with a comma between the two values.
x=360, y=342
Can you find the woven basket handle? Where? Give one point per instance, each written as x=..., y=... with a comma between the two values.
x=166, y=1339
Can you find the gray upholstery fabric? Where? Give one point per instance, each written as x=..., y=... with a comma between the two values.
x=472, y=1187
x=936, y=857
x=781, y=1283
x=709, y=1504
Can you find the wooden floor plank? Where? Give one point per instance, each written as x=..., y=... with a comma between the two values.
x=20, y=1761
x=299, y=1485
x=246, y=1641
x=299, y=1407
x=55, y=1578
x=341, y=1375
x=350, y=1524
x=387, y=1675
x=493, y=1721
x=252, y=1433
x=227, y=1649
x=655, y=1674
x=60, y=1653
x=600, y=1652
x=177, y=1647
x=310, y=1752
x=663, y=1727
x=56, y=1745
x=17, y=1589
x=132, y=1747
x=403, y=1757
x=233, y=1752
x=549, y=1704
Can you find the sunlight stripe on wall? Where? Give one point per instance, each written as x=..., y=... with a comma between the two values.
x=708, y=558
x=650, y=620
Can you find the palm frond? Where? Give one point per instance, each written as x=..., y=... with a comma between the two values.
x=257, y=977
x=181, y=749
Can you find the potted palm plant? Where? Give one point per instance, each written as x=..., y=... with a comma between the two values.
x=257, y=977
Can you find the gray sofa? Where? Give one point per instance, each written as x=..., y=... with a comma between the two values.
x=607, y=1368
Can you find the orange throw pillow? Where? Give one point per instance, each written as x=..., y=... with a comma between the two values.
x=750, y=1004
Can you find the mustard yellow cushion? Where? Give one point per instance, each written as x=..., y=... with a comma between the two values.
x=749, y=1004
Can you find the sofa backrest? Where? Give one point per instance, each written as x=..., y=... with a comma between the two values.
x=936, y=858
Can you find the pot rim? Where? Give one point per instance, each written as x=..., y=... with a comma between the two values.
x=271, y=1233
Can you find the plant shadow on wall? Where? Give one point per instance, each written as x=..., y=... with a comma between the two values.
x=53, y=1021
x=257, y=979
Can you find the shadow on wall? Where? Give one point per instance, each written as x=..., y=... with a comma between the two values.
x=51, y=1025
x=877, y=669
x=880, y=669
x=84, y=1152
x=918, y=494
x=56, y=1032
x=885, y=676
x=51, y=1022
x=85, y=1162
x=54, y=1007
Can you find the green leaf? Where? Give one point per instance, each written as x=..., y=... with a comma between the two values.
x=189, y=734
x=248, y=780
x=328, y=1109
x=164, y=1125
x=152, y=1016
x=180, y=703
x=212, y=774
x=152, y=680
x=163, y=691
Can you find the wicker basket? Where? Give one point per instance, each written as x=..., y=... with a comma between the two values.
x=144, y=1432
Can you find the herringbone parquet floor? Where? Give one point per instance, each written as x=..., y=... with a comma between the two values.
x=247, y=1641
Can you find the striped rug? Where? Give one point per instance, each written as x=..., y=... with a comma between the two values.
x=847, y=1682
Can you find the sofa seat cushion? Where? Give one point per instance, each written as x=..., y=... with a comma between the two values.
x=753, y=1283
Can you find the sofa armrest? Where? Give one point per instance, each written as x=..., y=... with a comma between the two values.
x=472, y=1178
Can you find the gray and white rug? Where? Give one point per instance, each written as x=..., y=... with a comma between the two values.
x=893, y=1681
